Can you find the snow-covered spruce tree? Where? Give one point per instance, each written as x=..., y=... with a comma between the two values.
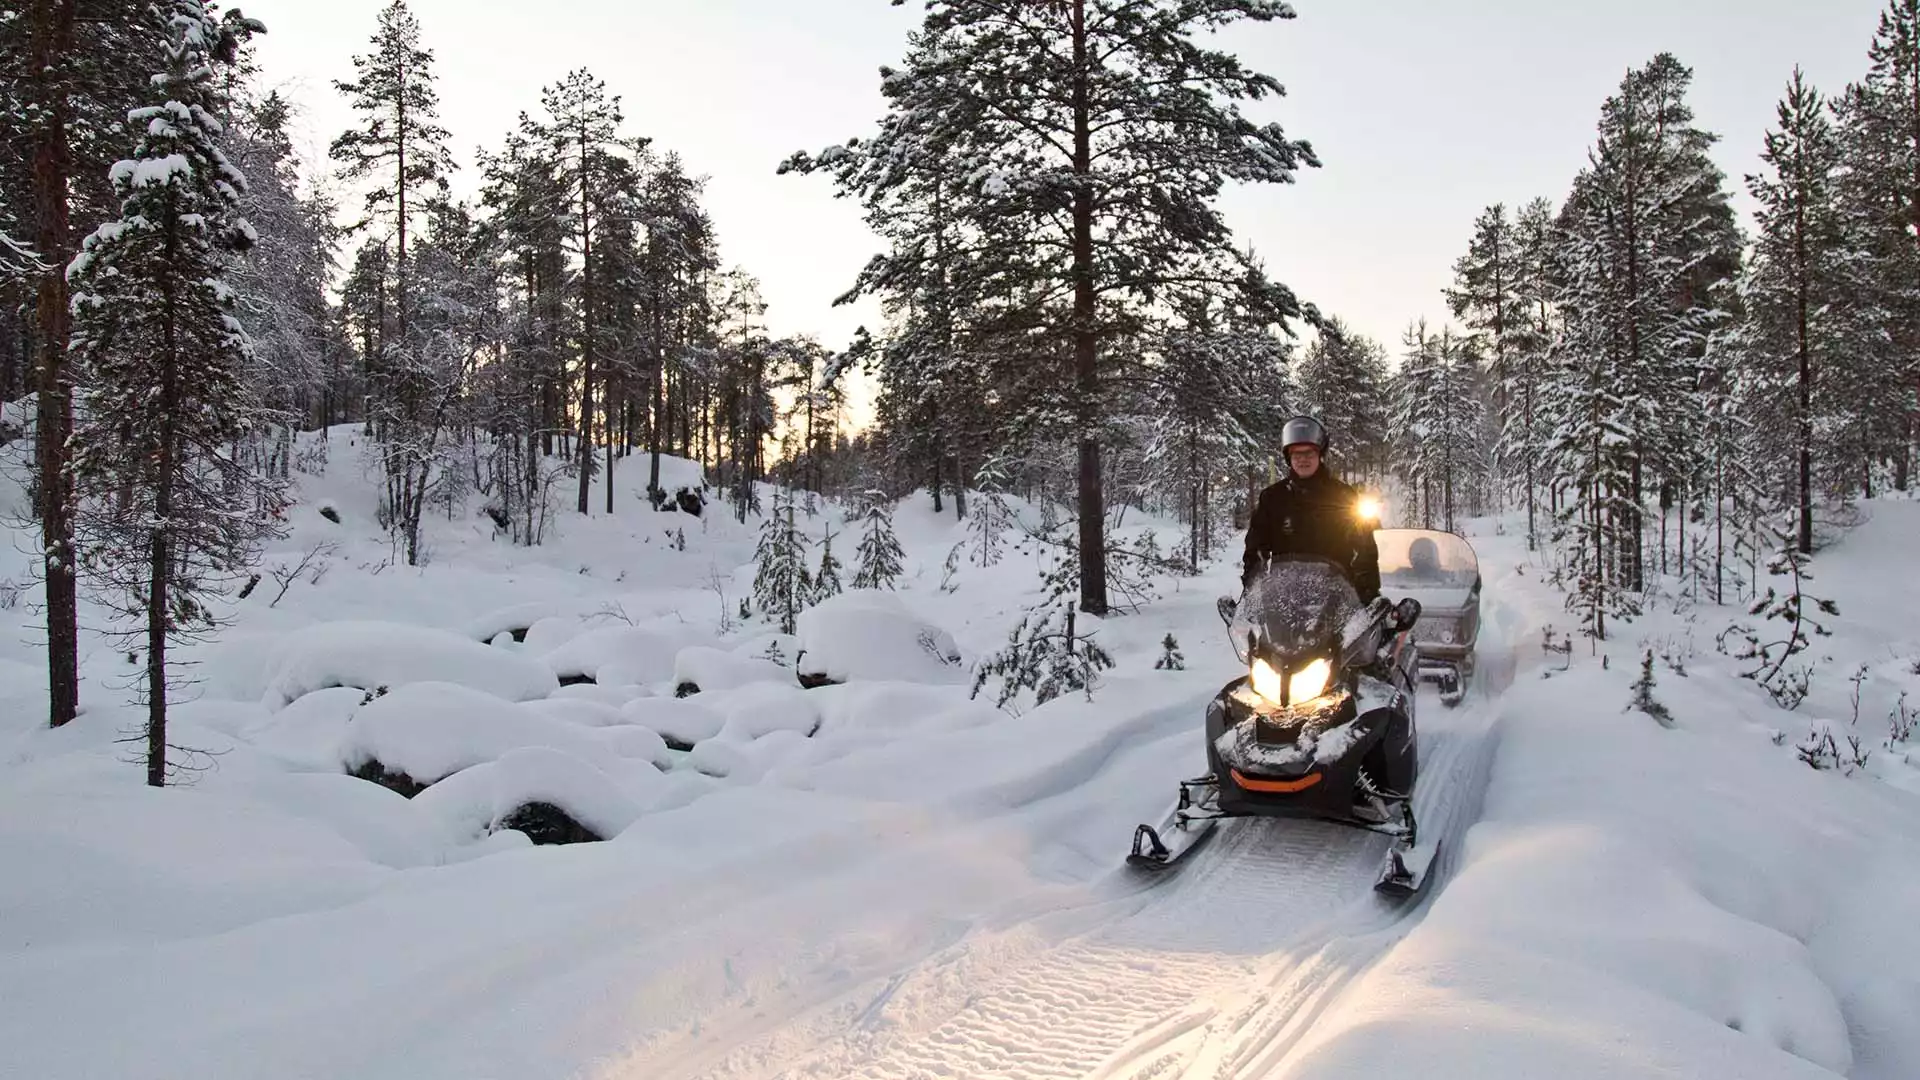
x=1171, y=658
x=991, y=516
x=1809, y=316
x=1643, y=699
x=164, y=509
x=1046, y=652
x=1097, y=135
x=1437, y=423
x=782, y=583
x=878, y=562
x=1796, y=611
x=826, y=580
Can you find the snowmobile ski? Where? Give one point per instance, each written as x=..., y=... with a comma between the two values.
x=1405, y=872
x=1184, y=828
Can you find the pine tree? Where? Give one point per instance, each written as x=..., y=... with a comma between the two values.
x=1649, y=246
x=1880, y=133
x=1806, y=320
x=166, y=510
x=1487, y=294
x=403, y=146
x=69, y=111
x=599, y=182
x=1096, y=136
x=1797, y=610
x=880, y=555
x=782, y=585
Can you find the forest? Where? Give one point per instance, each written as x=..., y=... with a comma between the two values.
x=1681, y=405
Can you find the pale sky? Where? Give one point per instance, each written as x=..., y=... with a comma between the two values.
x=1423, y=113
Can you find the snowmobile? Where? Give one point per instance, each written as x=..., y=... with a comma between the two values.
x=1440, y=570
x=1321, y=725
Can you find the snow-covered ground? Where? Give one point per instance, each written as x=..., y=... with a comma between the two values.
x=884, y=878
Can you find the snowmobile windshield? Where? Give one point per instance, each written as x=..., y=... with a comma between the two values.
x=1437, y=568
x=1296, y=608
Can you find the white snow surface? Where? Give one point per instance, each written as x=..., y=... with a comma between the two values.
x=888, y=878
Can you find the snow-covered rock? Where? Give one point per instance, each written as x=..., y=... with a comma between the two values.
x=712, y=669
x=683, y=722
x=869, y=634
x=477, y=800
x=375, y=654
x=615, y=654
x=428, y=731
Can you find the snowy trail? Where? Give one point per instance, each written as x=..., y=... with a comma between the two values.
x=1215, y=971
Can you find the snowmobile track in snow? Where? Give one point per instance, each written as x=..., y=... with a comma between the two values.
x=1212, y=971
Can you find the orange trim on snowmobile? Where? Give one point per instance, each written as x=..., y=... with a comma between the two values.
x=1277, y=787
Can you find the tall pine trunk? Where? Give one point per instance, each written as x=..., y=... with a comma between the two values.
x=51, y=35
x=1093, y=550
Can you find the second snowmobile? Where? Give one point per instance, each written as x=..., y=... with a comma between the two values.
x=1320, y=726
x=1440, y=570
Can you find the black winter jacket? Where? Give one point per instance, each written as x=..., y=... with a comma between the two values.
x=1314, y=516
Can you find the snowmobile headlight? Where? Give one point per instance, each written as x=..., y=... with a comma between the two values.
x=1368, y=509
x=1266, y=681
x=1309, y=682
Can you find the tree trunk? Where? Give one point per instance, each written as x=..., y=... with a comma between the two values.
x=51, y=34
x=1093, y=549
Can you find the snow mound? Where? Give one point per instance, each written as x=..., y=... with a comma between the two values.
x=577, y=711
x=680, y=722
x=516, y=619
x=615, y=655
x=374, y=654
x=613, y=694
x=755, y=711
x=309, y=731
x=711, y=669
x=868, y=634
x=476, y=801
x=635, y=742
x=431, y=730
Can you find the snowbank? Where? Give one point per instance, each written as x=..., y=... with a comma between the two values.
x=869, y=634
x=374, y=654
x=1645, y=901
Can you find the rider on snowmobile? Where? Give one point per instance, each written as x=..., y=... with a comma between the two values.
x=1311, y=512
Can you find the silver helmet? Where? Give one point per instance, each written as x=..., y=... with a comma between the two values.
x=1303, y=429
